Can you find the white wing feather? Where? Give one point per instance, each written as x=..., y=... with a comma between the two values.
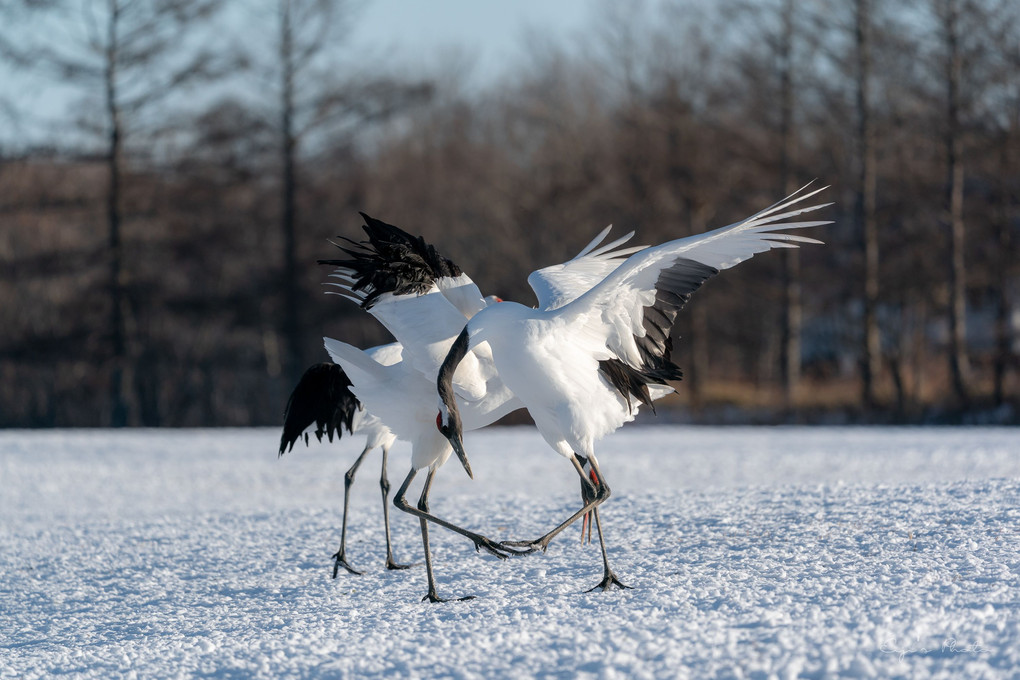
x=559, y=284
x=615, y=306
x=387, y=355
x=426, y=326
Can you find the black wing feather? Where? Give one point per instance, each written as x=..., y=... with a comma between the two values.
x=392, y=261
x=673, y=289
x=323, y=397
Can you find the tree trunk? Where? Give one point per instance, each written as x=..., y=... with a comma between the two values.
x=698, y=369
x=1003, y=340
x=919, y=353
x=792, y=306
x=1003, y=327
x=791, y=327
x=865, y=206
x=291, y=319
x=119, y=375
x=959, y=367
x=899, y=384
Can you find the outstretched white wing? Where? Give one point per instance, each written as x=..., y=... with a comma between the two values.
x=559, y=284
x=635, y=307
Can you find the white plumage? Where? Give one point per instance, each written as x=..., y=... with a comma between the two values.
x=580, y=367
x=425, y=323
x=374, y=429
x=322, y=403
x=401, y=393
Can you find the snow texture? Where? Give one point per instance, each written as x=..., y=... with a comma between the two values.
x=752, y=552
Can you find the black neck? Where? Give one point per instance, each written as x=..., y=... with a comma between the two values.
x=445, y=380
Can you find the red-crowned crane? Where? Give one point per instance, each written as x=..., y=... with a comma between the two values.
x=424, y=300
x=582, y=369
x=323, y=398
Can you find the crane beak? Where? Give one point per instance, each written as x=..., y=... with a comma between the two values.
x=458, y=446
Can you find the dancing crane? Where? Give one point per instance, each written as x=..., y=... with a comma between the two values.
x=323, y=398
x=584, y=368
x=424, y=300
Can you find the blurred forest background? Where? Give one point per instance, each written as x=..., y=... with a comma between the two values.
x=157, y=256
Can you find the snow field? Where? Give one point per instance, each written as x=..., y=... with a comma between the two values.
x=752, y=552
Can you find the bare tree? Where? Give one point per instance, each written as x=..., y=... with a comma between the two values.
x=315, y=99
x=1003, y=122
x=295, y=54
x=865, y=197
x=678, y=121
x=782, y=46
x=792, y=305
x=853, y=33
x=969, y=44
x=776, y=67
x=128, y=57
x=1008, y=210
x=948, y=14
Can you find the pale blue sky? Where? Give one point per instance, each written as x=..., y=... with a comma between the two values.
x=492, y=29
x=401, y=33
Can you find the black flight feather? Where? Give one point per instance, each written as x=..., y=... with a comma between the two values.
x=322, y=396
x=673, y=289
x=392, y=261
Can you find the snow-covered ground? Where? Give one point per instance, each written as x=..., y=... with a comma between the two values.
x=752, y=552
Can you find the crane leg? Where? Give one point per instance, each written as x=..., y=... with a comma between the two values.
x=609, y=579
x=339, y=557
x=599, y=492
x=384, y=485
x=594, y=492
x=422, y=512
x=423, y=505
x=587, y=494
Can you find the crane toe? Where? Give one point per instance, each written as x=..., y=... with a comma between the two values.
x=500, y=550
x=529, y=546
x=608, y=581
x=433, y=597
x=390, y=564
x=341, y=561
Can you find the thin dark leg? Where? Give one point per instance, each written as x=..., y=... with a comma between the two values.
x=423, y=505
x=339, y=556
x=608, y=577
x=480, y=541
x=384, y=484
x=432, y=595
x=599, y=495
x=587, y=494
x=422, y=512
